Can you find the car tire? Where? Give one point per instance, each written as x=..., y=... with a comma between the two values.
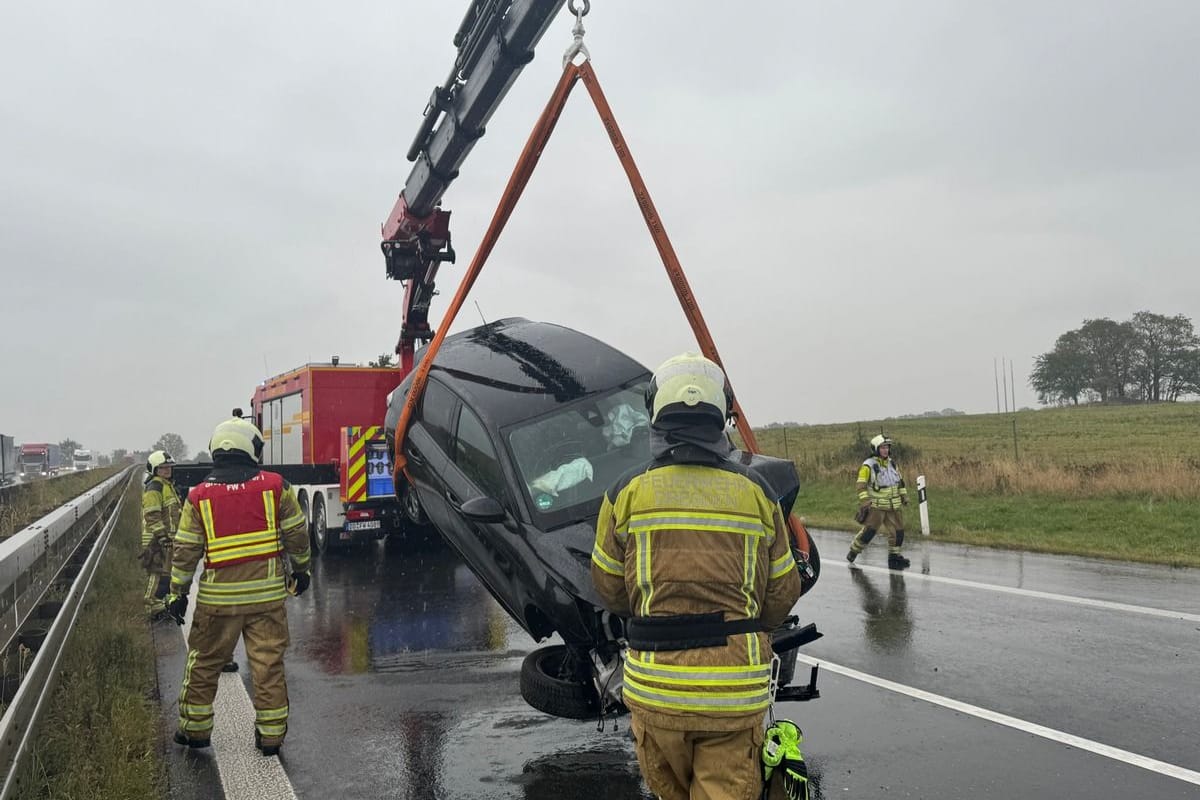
x=410, y=504
x=320, y=528
x=547, y=686
x=814, y=561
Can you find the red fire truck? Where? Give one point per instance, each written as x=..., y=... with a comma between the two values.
x=322, y=428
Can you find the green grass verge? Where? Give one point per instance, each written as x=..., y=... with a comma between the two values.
x=100, y=738
x=29, y=502
x=1125, y=528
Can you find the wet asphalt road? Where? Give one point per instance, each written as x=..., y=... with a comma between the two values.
x=403, y=675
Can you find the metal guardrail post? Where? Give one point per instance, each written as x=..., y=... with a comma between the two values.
x=19, y=725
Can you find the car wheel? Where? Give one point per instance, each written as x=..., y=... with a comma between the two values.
x=320, y=531
x=814, y=561
x=411, y=506
x=557, y=681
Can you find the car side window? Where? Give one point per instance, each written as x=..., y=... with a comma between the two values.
x=476, y=456
x=437, y=409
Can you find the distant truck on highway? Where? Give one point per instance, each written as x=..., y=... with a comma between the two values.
x=8, y=460
x=83, y=460
x=40, y=459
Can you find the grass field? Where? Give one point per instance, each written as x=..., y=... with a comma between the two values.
x=1118, y=482
x=101, y=736
x=28, y=502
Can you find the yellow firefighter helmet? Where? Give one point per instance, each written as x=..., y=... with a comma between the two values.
x=878, y=442
x=689, y=383
x=237, y=434
x=159, y=458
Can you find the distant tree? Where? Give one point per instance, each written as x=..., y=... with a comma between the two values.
x=1185, y=378
x=173, y=444
x=1110, y=351
x=68, y=447
x=103, y=460
x=384, y=360
x=1062, y=375
x=1162, y=347
x=119, y=455
x=203, y=457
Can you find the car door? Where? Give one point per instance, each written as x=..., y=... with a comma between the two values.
x=427, y=447
x=495, y=551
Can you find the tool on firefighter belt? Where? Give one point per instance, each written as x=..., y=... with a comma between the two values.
x=861, y=515
x=783, y=762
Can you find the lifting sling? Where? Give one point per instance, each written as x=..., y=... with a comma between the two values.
x=526, y=163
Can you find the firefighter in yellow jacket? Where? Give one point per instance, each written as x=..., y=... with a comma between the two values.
x=881, y=493
x=247, y=525
x=160, y=520
x=693, y=550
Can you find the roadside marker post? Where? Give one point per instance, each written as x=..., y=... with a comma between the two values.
x=923, y=505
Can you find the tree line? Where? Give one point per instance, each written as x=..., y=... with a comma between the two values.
x=1149, y=358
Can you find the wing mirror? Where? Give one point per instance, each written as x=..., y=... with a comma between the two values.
x=484, y=509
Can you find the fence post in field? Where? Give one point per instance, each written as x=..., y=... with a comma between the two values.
x=922, y=505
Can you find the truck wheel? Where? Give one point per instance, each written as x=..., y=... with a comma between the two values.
x=557, y=681
x=320, y=532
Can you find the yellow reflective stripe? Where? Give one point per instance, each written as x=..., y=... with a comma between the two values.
x=697, y=701
x=187, y=537
x=250, y=537
x=782, y=565
x=642, y=538
x=180, y=576
x=206, y=518
x=271, y=730
x=269, y=714
x=700, y=676
x=294, y=520
x=638, y=661
x=269, y=509
x=302, y=559
x=242, y=586
x=197, y=711
x=209, y=599
x=195, y=726
x=606, y=562
x=699, y=521
x=244, y=552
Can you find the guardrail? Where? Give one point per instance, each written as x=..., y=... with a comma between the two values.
x=30, y=563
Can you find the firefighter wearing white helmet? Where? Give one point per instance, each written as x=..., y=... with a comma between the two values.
x=692, y=549
x=247, y=526
x=881, y=493
x=160, y=520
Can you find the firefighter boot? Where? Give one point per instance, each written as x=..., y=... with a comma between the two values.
x=851, y=556
x=897, y=561
x=232, y=666
x=184, y=739
x=266, y=750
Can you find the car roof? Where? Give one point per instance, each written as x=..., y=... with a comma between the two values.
x=516, y=369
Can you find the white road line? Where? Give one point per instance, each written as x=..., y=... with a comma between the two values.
x=1115, y=753
x=245, y=773
x=1061, y=598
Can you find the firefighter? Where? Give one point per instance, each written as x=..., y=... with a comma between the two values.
x=693, y=550
x=247, y=525
x=160, y=520
x=881, y=493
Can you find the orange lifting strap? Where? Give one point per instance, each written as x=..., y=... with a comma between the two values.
x=517, y=182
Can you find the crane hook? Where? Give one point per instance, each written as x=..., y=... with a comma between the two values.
x=577, y=46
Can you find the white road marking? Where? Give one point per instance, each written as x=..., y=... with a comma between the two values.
x=1115, y=753
x=1061, y=598
x=245, y=773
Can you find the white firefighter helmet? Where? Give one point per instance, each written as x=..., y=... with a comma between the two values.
x=689, y=383
x=237, y=434
x=878, y=442
x=159, y=458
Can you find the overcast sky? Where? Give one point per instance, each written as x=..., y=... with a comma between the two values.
x=871, y=200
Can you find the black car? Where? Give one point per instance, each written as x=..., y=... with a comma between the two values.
x=521, y=428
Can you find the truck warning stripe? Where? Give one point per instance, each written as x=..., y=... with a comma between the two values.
x=356, y=454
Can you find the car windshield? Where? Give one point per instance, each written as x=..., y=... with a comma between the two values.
x=568, y=458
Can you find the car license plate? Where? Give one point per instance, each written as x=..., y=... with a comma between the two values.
x=369, y=525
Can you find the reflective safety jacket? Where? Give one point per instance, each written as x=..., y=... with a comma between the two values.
x=242, y=531
x=160, y=510
x=879, y=481
x=690, y=539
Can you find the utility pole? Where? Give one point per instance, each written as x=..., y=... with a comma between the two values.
x=1004, y=377
x=1012, y=383
x=996, y=378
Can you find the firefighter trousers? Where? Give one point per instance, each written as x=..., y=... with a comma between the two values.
x=156, y=560
x=210, y=647
x=890, y=521
x=700, y=765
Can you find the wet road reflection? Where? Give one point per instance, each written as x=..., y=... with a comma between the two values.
x=887, y=623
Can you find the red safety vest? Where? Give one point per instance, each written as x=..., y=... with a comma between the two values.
x=240, y=519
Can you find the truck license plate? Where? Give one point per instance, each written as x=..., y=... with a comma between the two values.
x=369, y=525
